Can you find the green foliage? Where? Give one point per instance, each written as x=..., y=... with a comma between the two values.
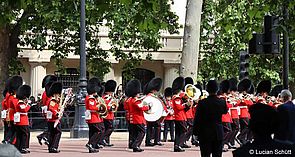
x=227, y=27
x=55, y=24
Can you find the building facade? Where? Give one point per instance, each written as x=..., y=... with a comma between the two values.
x=165, y=62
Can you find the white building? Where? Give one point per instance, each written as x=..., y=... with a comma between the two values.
x=165, y=63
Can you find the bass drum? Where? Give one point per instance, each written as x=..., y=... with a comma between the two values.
x=156, y=111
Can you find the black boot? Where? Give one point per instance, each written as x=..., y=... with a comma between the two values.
x=137, y=149
x=178, y=149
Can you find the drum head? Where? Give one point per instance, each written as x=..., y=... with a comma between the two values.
x=156, y=110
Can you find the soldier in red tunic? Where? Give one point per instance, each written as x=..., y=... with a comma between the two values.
x=153, y=128
x=46, y=83
x=54, y=109
x=136, y=109
x=169, y=119
x=21, y=119
x=244, y=87
x=4, y=113
x=13, y=84
x=130, y=135
x=109, y=99
x=92, y=116
x=263, y=89
x=226, y=118
x=179, y=107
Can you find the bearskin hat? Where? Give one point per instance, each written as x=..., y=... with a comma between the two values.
x=212, y=86
x=188, y=80
x=14, y=83
x=48, y=79
x=55, y=88
x=133, y=87
x=23, y=92
x=178, y=84
x=47, y=86
x=154, y=84
x=110, y=86
x=276, y=90
x=224, y=86
x=233, y=84
x=244, y=85
x=264, y=86
x=94, y=80
x=168, y=92
x=92, y=88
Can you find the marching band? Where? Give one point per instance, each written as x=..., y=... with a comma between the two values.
x=145, y=114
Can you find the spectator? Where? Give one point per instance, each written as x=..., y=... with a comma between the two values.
x=286, y=113
x=207, y=123
x=263, y=123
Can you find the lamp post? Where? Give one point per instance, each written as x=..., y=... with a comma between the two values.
x=80, y=128
x=286, y=51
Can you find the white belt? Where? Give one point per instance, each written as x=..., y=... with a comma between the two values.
x=22, y=113
x=234, y=108
x=243, y=107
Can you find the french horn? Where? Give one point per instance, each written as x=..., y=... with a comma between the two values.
x=102, y=107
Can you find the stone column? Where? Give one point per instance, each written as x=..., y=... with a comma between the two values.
x=171, y=72
x=38, y=72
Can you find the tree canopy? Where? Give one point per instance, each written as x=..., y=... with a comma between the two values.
x=54, y=25
x=227, y=27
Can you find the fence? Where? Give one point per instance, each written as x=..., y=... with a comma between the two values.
x=38, y=122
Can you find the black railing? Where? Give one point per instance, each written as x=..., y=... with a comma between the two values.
x=38, y=121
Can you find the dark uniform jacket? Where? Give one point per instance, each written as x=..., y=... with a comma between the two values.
x=207, y=122
x=286, y=131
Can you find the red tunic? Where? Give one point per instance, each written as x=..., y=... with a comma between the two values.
x=23, y=109
x=178, y=107
x=107, y=99
x=11, y=102
x=45, y=99
x=169, y=105
x=91, y=104
x=189, y=114
x=136, y=111
x=5, y=104
x=54, y=108
x=126, y=108
x=243, y=105
x=226, y=118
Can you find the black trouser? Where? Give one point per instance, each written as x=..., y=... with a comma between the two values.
x=130, y=136
x=180, y=131
x=94, y=131
x=211, y=147
x=153, y=130
x=189, y=133
x=227, y=132
x=243, y=136
x=5, y=130
x=138, y=132
x=22, y=136
x=169, y=124
x=11, y=132
x=54, y=135
x=235, y=130
x=109, y=128
x=100, y=135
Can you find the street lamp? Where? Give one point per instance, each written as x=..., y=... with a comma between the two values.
x=80, y=128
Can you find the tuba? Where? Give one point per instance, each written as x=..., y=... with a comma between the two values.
x=192, y=93
x=113, y=104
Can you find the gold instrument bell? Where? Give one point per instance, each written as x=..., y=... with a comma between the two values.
x=102, y=107
x=192, y=92
x=114, y=104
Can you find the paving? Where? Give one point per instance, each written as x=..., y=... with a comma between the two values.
x=76, y=148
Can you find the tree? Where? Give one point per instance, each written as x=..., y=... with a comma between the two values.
x=191, y=39
x=54, y=25
x=227, y=27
